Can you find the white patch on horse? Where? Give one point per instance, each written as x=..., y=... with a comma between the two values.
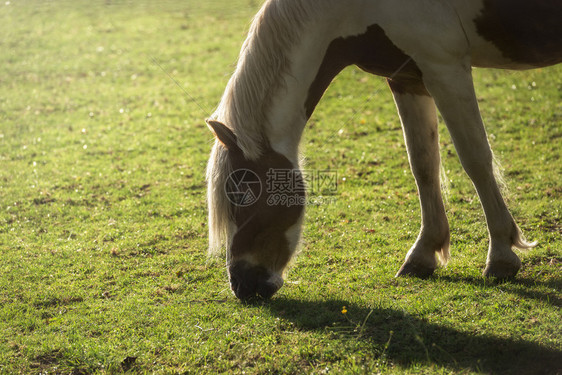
x=483, y=53
x=287, y=118
x=293, y=233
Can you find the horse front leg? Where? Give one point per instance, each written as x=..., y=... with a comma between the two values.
x=452, y=88
x=419, y=122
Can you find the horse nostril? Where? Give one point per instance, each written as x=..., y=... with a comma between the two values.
x=247, y=281
x=267, y=290
x=243, y=293
x=240, y=289
x=270, y=286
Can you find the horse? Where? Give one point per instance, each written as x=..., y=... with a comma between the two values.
x=425, y=50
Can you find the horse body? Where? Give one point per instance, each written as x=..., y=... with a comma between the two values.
x=425, y=49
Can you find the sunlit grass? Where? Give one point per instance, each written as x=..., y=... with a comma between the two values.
x=104, y=269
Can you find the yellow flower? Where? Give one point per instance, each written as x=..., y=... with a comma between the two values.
x=344, y=310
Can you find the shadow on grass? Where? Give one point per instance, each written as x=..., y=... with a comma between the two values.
x=406, y=340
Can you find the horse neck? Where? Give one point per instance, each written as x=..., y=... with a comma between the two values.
x=268, y=99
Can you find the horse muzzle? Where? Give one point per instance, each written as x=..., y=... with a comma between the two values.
x=248, y=281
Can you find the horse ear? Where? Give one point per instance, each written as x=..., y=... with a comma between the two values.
x=223, y=134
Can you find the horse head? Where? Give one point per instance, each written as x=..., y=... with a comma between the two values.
x=264, y=214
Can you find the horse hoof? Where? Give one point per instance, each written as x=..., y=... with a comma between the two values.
x=417, y=270
x=501, y=270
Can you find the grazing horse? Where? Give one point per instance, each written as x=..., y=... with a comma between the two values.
x=426, y=50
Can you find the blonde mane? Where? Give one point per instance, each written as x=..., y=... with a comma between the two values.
x=264, y=58
x=220, y=211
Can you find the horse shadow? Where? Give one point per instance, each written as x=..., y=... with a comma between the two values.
x=406, y=340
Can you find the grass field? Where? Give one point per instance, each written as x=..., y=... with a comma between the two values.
x=103, y=268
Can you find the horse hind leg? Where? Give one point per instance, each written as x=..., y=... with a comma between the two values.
x=419, y=122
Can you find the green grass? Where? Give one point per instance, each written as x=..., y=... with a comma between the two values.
x=103, y=219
